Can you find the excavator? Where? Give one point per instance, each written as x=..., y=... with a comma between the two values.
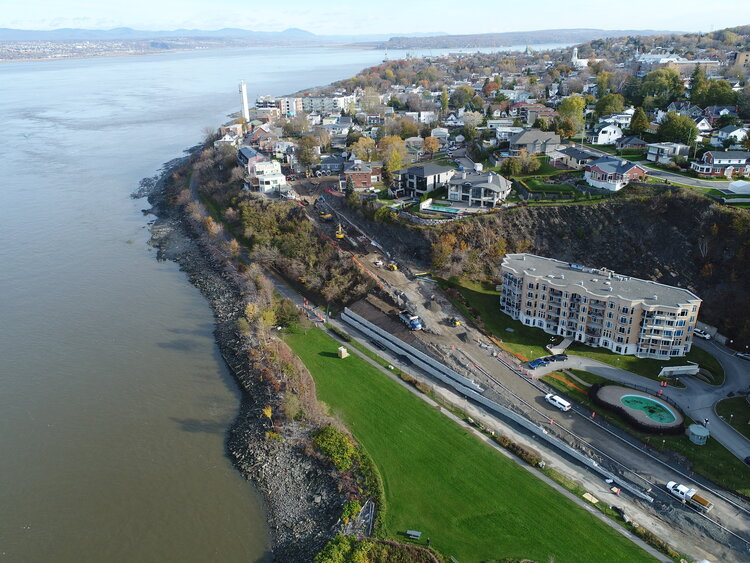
x=340, y=232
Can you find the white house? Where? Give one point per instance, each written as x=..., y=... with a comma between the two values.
x=505, y=132
x=606, y=134
x=665, y=152
x=441, y=134
x=419, y=180
x=268, y=175
x=723, y=163
x=731, y=133
x=480, y=189
x=612, y=173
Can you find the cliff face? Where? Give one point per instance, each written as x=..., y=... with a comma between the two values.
x=677, y=238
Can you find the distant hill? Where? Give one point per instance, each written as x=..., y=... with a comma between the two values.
x=508, y=38
x=126, y=33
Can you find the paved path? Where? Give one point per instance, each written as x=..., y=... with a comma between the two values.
x=697, y=399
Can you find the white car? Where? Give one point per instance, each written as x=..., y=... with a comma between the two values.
x=702, y=334
x=743, y=355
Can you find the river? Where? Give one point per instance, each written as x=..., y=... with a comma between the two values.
x=113, y=400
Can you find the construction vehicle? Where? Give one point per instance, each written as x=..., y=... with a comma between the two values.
x=689, y=496
x=453, y=321
x=410, y=319
x=392, y=267
x=326, y=216
x=340, y=232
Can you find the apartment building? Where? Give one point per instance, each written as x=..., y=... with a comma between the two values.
x=598, y=307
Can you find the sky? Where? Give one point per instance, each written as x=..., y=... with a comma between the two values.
x=325, y=17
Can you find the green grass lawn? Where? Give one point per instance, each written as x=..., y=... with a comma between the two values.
x=470, y=500
x=609, y=149
x=736, y=411
x=538, y=185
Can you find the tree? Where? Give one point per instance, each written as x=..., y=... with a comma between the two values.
x=639, y=122
x=489, y=88
x=295, y=126
x=472, y=118
x=698, y=86
x=461, y=96
x=308, y=156
x=431, y=145
x=393, y=151
x=510, y=167
x=677, y=128
x=365, y=149
x=728, y=119
x=349, y=189
x=609, y=104
x=527, y=162
x=477, y=103
x=565, y=128
x=664, y=85
x=603, y=83
x=571, y=108
x=444, y=100
x=720, y=93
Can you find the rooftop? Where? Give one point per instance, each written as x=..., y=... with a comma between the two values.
x=601, y=283
x=612, y=165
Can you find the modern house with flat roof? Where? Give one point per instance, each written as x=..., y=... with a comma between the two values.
x=598, y=307
x=419, y=180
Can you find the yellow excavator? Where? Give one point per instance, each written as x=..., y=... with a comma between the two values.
x=392, y=267
x=340, y=232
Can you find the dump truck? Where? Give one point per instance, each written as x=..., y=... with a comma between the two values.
x=410, y=319
x=689, y=496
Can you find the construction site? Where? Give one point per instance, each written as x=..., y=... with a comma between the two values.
x=606, y=461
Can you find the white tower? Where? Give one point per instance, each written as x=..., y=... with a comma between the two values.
x=243, y=95
x=574, y=58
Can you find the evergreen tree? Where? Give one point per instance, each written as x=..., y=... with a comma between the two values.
x=639, y=122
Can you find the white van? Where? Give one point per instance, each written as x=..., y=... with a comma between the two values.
x=559, y=402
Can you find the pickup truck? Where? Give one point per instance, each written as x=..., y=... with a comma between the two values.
x=411, y=320
x=689, y=496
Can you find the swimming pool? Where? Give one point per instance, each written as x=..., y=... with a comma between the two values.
x=439, y=209
x=655, y=410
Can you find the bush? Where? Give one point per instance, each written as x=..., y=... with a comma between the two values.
x=336, y=446
x=340, y=333
x=351, y=510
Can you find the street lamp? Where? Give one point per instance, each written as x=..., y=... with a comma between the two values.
x=731, y=416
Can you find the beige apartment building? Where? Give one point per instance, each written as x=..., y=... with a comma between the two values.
x=598, y=307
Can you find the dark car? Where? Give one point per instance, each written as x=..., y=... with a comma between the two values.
x=743, y=355
x=559, y=357
x=747, y=460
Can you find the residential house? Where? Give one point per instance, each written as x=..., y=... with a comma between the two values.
x=419, y=180
x=363, y=174
x=441, y=134
x=703, y=124
x=713, y=113
x=505, y=132
x=605, y=134
x=453, y=121
x=495, y=123
x=478, y=189
x=723, y=163
x=332, y=164
x=248, y=156
x=612, y=173
x=665, y=152
x=621, y=119
x=630, y=142
x=267, y=176
x=229, y=139
x=731, y=135
x=687, y=109
x=573, y=157
x=534, y=141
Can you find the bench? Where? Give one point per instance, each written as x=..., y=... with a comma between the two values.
x=413, y=534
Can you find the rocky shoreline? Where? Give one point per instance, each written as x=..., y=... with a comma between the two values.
x=299, y=490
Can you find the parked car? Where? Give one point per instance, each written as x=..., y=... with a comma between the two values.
x=702, y=334
x=743, y=355
x=559, y=357
x=557, y=401
x=747, y=460
x=538, y=363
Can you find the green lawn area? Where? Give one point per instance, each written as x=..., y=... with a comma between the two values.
x=538, y=185
x=736, y=411
x=469, y=499
x=609, y=149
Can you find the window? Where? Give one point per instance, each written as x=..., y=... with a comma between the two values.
x=695, y=308
x=611, y=305
x=609, y=324
x=625, y=310
x=531, y=286
x=623, y=320
x=610, y=315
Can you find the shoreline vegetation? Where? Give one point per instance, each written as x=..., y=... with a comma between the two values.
x=310, y=471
